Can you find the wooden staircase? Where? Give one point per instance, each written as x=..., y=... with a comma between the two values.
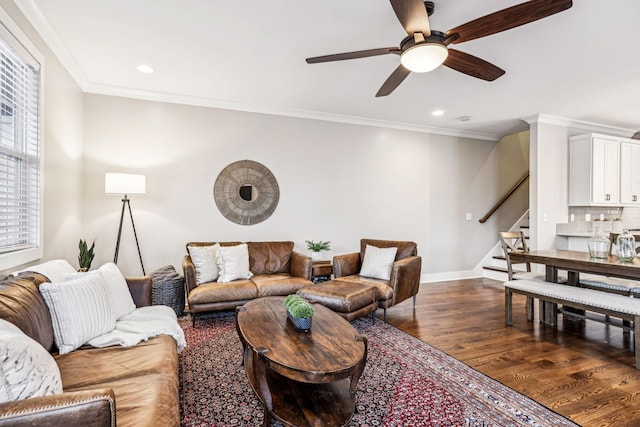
x=498, y=269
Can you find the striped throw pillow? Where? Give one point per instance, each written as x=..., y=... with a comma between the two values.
x=378, y=262
x=80, y=310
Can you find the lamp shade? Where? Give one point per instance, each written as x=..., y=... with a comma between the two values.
x=424, y=57
x=124, y=183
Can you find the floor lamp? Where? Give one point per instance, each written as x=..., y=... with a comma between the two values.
x=127, y=184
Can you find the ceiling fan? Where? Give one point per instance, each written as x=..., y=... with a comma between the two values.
x=425, y=49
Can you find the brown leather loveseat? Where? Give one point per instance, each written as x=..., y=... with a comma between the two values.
x=130, y=386
x=277, y=271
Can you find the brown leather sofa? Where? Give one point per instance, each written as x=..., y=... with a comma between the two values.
x=277, y=271
x=405, y=273
x=130, y=386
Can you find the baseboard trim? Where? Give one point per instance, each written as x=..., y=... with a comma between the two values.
x=451, y=275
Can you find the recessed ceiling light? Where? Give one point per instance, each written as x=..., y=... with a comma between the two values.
x=145, y=69
x=437, y=113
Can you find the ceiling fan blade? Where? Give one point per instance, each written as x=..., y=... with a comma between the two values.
x=394, y=80
x=506, y=19
x=413, y=16
x=353, y=55
x=472, y=65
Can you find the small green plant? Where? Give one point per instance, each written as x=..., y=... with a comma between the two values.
x=318, y=246
x=85, y=257
x=298, y=306
x=291, y=298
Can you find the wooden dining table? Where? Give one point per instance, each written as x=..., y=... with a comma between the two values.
x=574, y=263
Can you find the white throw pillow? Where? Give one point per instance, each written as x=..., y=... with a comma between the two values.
x=378, y=262
x=80, y=310
x=26, y=368
x=120, y=297
x=233, y=263
x=205, y=261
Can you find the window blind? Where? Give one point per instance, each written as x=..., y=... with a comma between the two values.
x=19, y=150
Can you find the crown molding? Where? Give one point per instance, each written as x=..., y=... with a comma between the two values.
x=34, y=15
x=100, y=89
x=579, y=125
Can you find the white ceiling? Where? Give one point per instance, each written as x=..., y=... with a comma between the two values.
x=581, y=64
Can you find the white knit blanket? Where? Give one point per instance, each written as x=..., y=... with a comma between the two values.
x=54, y=270
x=140, y=325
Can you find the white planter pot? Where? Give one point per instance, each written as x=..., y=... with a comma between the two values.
x=319, y=256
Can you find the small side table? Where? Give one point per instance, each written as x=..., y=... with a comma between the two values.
x=321, y=271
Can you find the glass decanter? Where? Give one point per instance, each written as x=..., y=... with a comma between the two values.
x=626, y=245
x=599, y=245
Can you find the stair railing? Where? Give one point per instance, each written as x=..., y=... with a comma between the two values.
x=505, y=197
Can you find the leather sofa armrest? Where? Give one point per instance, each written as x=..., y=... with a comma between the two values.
x=405, y=278
x=140, y=288
x=189, y=271
x=346, y=265
x=94, y=408
x=301, y=265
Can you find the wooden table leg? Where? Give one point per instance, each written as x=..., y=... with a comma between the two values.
x=573, y=278
x=359, y=368
x=508, y=307
x=542, y=305
x=551, y=274
x=549, y=311
x=264, y=393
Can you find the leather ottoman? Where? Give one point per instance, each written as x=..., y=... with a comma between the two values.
x=348, y=299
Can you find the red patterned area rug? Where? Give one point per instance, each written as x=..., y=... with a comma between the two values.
x=406, y=382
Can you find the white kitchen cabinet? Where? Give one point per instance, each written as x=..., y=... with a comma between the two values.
x=630, y=175
x=594, y=170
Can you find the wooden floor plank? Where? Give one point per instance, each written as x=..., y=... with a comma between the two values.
x=583, y=370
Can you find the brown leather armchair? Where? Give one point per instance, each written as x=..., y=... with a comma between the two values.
x=405, y=273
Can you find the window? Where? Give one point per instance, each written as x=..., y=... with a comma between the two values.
x=20, y=149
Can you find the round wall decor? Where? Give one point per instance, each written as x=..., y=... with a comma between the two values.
x=246, y=192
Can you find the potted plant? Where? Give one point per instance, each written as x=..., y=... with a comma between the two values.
x=299, y=312
x=85, y=257
x=315, y=248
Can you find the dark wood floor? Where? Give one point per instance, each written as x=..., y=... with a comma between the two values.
x=584, y=370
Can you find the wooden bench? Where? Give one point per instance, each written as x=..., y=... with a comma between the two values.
x=587, y=299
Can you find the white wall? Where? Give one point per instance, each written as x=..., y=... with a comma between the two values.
x=549, y=147
x=62, y=152
x=549, y=182
x=338, y=182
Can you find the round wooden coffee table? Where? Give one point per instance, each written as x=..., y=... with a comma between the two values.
x=302, y=379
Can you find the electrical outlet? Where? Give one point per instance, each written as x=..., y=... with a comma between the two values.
x=468, y=216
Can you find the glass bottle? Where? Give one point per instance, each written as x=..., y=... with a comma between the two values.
x=599, y=245
x=626, y=244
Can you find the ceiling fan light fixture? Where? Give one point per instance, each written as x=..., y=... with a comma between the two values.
x=424, y=57
x=146, y=69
